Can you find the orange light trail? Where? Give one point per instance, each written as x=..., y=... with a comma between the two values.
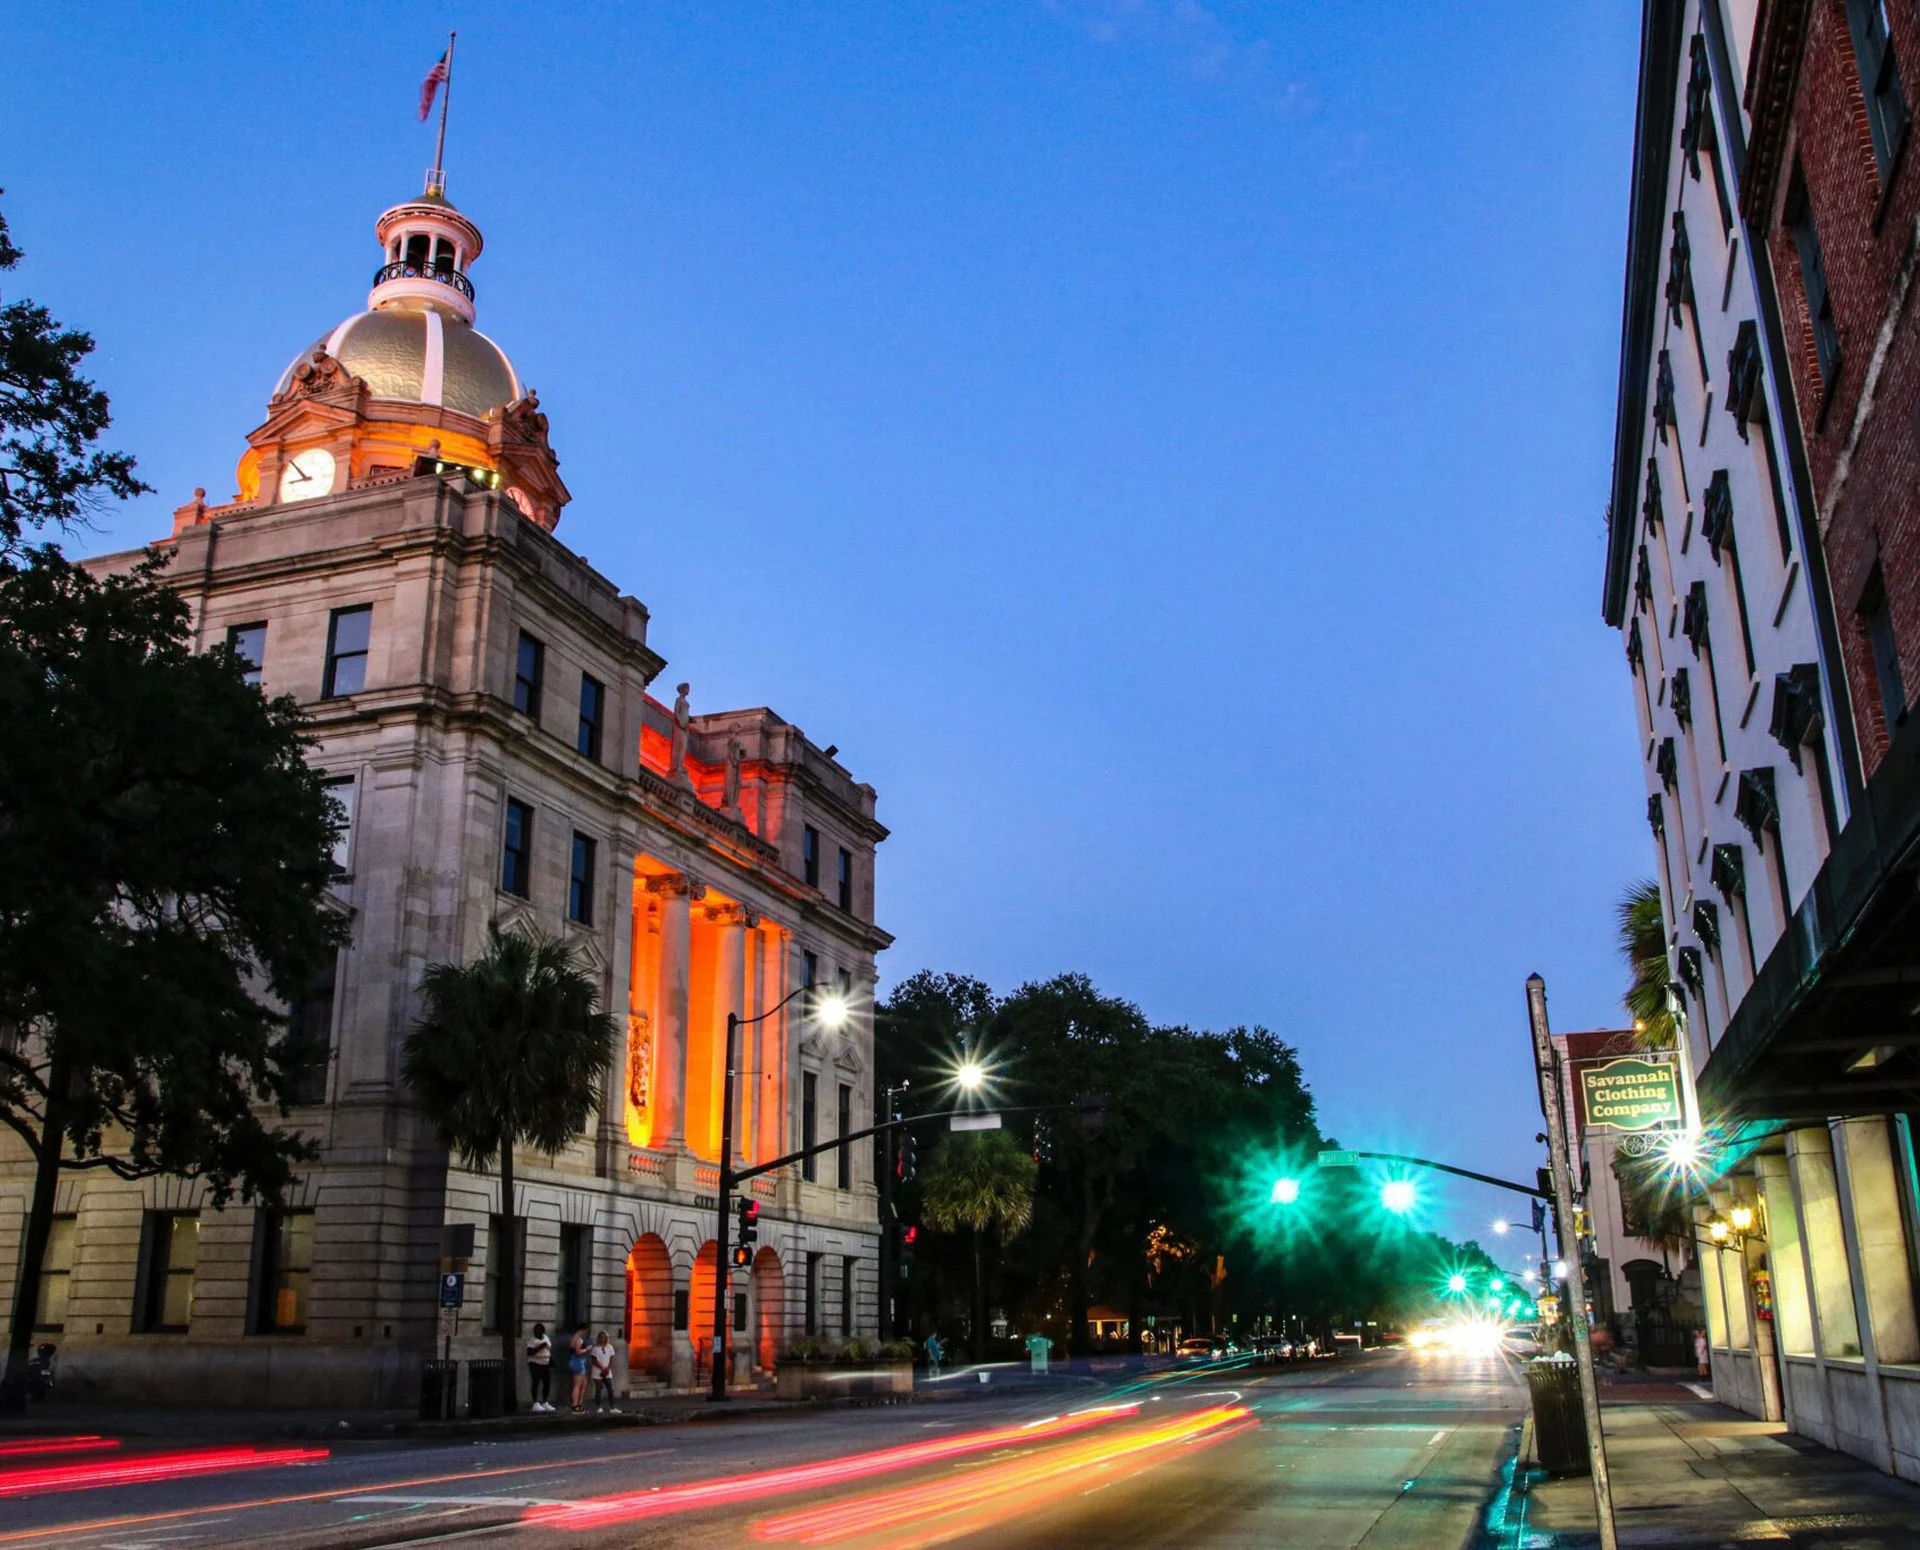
x=997, y=1492
x=144, y=1468
x=726, y=1490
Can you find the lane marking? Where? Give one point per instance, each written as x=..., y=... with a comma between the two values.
x=1437, y=1438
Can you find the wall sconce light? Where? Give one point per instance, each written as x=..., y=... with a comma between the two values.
x=1719, y=1230
x=1742, y=1218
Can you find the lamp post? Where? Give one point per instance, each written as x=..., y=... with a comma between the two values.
x=889, y=1103
x=830, y=1012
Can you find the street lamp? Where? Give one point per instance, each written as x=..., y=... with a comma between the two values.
x=830, y=1011
x=1285, y=1191
x=971, y=1076
x=1501, y=1226
x=1456, y=1283
x=1398, y=1196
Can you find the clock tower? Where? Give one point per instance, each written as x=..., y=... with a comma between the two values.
x=406, y=386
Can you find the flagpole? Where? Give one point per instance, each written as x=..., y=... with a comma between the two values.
x=440, y=145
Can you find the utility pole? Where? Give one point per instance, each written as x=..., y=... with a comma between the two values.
x=889, y=1103
x=1548, y=1067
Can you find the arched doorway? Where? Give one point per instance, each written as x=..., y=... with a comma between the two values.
x=700, y=1309
x=769, y=1288
x=650, y=1308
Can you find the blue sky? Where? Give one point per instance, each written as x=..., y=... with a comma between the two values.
x=1163, y=445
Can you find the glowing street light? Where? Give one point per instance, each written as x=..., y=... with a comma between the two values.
x=1496, y=1285
x=1456, y=1282
x=1285, y=1191
x=830, y=1012
x=1502, y=1226
x=971, y=1075
x=1399, y=1196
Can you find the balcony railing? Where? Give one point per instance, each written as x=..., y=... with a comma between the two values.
x=407, y=271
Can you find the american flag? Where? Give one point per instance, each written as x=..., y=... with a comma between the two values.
x=430, y=85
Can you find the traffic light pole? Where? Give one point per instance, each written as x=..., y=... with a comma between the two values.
x=731, y=1178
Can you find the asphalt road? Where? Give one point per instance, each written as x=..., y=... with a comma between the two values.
x=1384, y=1450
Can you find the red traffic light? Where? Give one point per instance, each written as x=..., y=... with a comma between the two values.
x=910, y=1236
x=749, y=1210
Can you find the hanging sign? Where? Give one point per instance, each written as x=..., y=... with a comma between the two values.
x=1630, y=1094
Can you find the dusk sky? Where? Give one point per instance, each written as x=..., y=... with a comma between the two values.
x=1164, y=446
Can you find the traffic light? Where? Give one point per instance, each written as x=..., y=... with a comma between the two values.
x=906, y=1159
x=909, y=1236
x=742, y=1257
x=747, y=1232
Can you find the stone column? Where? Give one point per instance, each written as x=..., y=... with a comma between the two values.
x=1810, y=1157
x=771, y=1136
x=735, y=922
x=675, y=891
x=1880, y=1236
x=1793, y=1309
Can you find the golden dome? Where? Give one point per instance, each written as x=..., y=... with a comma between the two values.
x=420, y=356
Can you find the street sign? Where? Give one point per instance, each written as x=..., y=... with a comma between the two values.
x=1630, y=1094
x=453, y=1289
x=1338, y=1159
x=974, y=1121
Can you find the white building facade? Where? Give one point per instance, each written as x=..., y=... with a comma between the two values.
x=480, y=698
x=1715, y=577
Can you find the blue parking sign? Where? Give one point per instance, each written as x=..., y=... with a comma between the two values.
x=453, y=1289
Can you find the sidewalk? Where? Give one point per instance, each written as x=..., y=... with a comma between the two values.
x=1686, y=1471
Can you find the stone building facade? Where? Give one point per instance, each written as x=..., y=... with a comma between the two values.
x=1787, y=826
x=480, y=696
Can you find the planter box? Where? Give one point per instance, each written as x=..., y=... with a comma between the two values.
x=836, y=1380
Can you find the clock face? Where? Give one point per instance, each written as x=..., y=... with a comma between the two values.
x=307, y=474
x=521, y=499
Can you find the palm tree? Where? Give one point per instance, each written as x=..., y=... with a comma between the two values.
x=511, y=1049
x=982, y=1181
x=1643, y=943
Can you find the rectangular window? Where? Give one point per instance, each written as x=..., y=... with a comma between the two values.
x=248, y=643
x=1879, y=81
x=571, y=1309
x=847, y=1265
x=1876, y=613
x=580, y=881
x=809, y=1123
x=810, y=856
x=170, y=1251
x=529, y=666
x=516, y=852
x=1813, y=280
x=490, y=1302
x=813, y=1293
x=593, y=716
x=284, y=1278
x=809, y=969
x=56, y=1272
x=349, y=634
x=344, y=790
x=846, y=881
x=309, y=1046
x=844, y=1157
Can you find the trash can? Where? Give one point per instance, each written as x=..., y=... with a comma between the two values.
x=486, y=1388
x=439, y=1382
x=1559, y=1427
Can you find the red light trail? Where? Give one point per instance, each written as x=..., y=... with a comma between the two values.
x=56, y=1445
x=141, y=1469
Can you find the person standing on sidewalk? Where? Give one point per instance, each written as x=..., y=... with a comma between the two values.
x=540, y=1369
x=577, y=1368
x=935, y=1354
x=1700, y=1354
x=600, y=1363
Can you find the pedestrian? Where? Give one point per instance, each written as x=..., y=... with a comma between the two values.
x=1700, y=1352
x=600, y=1364
x=935, y=1355
x=540, y=1370
x=577, y=1367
